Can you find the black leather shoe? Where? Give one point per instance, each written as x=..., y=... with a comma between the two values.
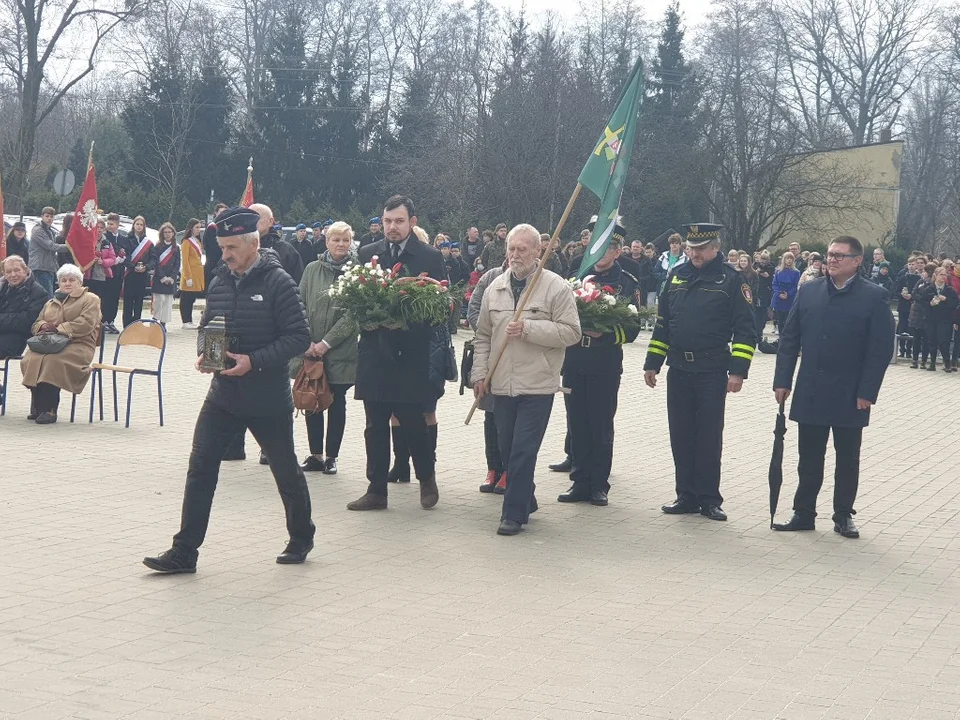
x=681, y=506
x=399, y=474
x=845, y=527
x=574, y=494
x=330, y=466
x=171, y=562
x=509, y=527
x=313, y=464
x=797, y=522
x=264, y=460
x=713, y=512
x=564, y=466
x=46, y=418
x=598, y=498
x=913, y=366
x=294, y=554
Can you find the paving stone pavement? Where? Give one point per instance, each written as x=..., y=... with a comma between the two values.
x=617, y=612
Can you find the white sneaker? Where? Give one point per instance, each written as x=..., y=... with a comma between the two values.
x=189, y=326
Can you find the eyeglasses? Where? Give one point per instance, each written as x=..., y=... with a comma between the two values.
x=840, y=256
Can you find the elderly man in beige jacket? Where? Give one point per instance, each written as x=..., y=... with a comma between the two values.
x=528, y=375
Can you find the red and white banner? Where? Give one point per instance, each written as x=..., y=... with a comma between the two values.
x=82, y=238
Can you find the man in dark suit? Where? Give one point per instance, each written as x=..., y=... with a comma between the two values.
x=393, y=368
x=843, y=326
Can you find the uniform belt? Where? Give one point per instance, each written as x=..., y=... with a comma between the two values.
x=693, y=356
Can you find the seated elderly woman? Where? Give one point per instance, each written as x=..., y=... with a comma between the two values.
x=74, y=311
x=21, y=300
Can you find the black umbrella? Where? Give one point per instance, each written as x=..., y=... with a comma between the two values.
x=775, y=475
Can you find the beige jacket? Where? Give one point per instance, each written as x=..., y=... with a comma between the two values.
x=79, y=319
x=531, y=363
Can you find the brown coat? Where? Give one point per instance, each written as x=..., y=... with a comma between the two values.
x=79, y=319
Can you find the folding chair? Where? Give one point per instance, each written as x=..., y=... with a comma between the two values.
x=148, y=333
x=6, y=385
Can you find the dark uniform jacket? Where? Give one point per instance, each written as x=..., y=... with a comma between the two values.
x=394, y=365
x=264, y=313
x=170, y=269
x=846, y=340
x=19, y=309
x=307, y=251
x=370, y=239
x=289, y=257
x=457, y=270
x=604, y=355
x=134, y=283
x=211, y=248
x=697, y=313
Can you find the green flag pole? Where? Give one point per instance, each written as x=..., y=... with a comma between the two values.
x=528, y=291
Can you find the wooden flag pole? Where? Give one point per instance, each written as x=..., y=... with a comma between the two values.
x=527, y=292
x=90, y=157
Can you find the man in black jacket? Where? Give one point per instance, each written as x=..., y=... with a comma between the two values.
x=210, y=247
x=843, y=326
x=592, y=370
x=393, y=369
x=269, y=238
x=264, y=315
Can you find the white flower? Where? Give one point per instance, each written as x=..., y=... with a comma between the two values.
x=332, y=292
x=632, y=309
x=610, y=299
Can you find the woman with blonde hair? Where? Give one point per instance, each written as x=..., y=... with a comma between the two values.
x=333, y=338
x=166, y=263
x=785, y=282
x=74, y=312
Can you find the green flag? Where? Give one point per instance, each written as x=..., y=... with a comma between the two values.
x=606, y=168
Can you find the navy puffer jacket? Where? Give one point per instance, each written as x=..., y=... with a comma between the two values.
x=263, y=311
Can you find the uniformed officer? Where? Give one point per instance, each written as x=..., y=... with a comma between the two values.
x=263, y=312
x=592, y=370
x=703, y=303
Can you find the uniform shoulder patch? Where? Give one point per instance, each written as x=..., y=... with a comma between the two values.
x=747, y=294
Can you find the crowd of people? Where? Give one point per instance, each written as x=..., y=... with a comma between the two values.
x=275, y=295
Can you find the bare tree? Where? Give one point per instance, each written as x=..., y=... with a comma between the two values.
x=762, y=184
x=852, y=61
x=33, y=35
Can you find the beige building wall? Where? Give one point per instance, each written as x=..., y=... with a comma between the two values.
x=868, y=192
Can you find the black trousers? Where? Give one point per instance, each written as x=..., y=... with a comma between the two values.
x=214, y=430
x=110, y=300
x=760, y=321
x=337, y=416
x=903, y=328
x=133, y=305
x=695, y=407
x=812, y=442
x=98, y=288
x=591, y=406
x=521, y=424
x=781, y=316
x=491, y=443
x=376, y=436
x=45, y=398
x=919, y=344
x=187, y=299
x=939, y=335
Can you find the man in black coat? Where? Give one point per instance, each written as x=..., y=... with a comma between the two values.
x=266, y=321
x=269, y=238
x=843, y=327
x=393, y=368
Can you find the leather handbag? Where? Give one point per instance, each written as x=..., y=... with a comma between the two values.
x=47, y=343
x=311, y=391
